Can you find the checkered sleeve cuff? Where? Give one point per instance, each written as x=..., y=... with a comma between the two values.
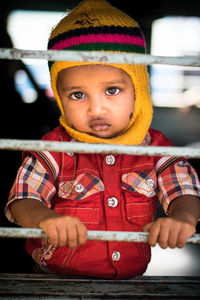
x=178, y=179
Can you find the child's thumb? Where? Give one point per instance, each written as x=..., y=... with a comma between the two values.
x=146, y=227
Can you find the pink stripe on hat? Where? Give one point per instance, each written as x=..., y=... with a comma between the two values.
x=100, y=38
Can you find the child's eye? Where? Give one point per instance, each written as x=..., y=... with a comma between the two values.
x=112, y=91
x=77, y=96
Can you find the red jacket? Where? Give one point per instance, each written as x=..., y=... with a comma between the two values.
x=106, y=192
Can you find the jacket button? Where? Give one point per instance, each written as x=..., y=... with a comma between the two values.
x=110, y=160
x=112, y=202
x=70, y=153
x=150, y=183
x=116, y=256
x=79, y=188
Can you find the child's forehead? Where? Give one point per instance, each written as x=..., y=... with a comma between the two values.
x=99, y=69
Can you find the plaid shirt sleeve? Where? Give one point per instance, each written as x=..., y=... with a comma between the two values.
x=177, y=179
x=32, y=182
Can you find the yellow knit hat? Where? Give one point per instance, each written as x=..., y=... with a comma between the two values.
x=95, y=25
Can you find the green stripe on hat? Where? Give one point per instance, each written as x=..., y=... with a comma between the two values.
x=116, y=47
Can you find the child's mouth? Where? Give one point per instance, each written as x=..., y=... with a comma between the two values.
x=99, y=125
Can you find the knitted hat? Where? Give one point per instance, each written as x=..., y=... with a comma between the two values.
x=95, y=25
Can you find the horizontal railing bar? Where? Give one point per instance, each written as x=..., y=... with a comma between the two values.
x=95, y=56
x=55, y=146
x=119, y=236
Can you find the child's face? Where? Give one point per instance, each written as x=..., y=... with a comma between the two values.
x=97, y=99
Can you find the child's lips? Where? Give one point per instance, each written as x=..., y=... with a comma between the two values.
x=99, y=125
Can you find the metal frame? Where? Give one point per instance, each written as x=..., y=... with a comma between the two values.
x=95, y=56
x=53, y=146
x=98, y=235
x=127, y=58
x=19, y=286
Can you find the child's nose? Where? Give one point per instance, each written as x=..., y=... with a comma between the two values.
x=96, y=106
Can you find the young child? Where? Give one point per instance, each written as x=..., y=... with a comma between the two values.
x=66, y=194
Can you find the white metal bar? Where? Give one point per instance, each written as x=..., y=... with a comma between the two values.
x=54, y=146
x=95, y=56
x=119, y=236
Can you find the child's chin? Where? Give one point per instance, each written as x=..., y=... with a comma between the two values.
x=103, y=135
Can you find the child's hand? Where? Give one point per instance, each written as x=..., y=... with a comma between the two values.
x=169, y=232
x=63, y=230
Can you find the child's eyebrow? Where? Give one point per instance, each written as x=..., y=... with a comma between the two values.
x=71, y=88
x=114, y=82
x=78, y=87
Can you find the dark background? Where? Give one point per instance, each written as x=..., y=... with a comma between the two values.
x=17, y=119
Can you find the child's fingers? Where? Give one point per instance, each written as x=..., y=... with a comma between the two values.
x=177, y=239
x=62, y=236
x=147, y=227
x=163, y=237
x=76, y=233
x=72, y=236
x=169, y=232
x=63, y=230
x=82, y=234
x=173, y=238
x=185, y=232
x=153, y=229
x=181, y=240
x=52, y=233
x=159, y=232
